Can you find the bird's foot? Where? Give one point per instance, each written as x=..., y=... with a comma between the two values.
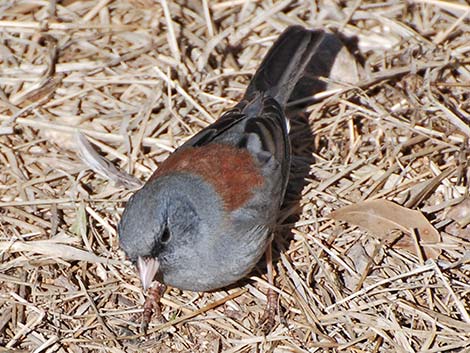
x=268, y=319
x=152, y=305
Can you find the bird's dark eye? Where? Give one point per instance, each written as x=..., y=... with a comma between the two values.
x=165, y=236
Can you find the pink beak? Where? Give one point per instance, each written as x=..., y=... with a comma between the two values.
x=148, y=268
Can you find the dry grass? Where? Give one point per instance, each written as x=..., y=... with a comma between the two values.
x=138, y=77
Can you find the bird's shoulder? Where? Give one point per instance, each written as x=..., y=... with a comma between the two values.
x=231, y=171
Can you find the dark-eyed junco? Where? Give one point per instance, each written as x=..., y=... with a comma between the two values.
x=205, y=217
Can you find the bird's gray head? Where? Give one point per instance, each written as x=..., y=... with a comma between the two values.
x=168, y=225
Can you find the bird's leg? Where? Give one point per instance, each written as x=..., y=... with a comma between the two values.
x=269, y=316
x=152, y=304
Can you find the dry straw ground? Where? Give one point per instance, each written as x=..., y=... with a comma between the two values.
x=138, y=77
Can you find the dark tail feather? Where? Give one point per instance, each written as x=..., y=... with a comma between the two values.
x=284, y=64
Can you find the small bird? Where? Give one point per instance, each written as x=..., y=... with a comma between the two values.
x=205, y=217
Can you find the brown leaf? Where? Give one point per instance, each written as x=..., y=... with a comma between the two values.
x=382, y=217
x=103, y=166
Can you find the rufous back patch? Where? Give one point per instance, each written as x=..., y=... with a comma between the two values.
x=230, y=170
